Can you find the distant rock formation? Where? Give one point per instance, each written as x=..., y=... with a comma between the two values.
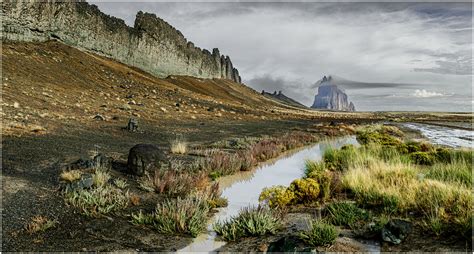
x=283, y=98
x=330, y=97
x=151, y=44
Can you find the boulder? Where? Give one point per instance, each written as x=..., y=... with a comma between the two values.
x=396, y=231
x=144, y=157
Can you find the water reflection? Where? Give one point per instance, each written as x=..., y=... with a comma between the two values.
x=243, y=189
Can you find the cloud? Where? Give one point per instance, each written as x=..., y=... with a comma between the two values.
x=387, y=47
x=426, y=94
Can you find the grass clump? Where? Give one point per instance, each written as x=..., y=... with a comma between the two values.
x=277, y=196
x=120, y=183
x=39, y=224
x=181, y=216
x=100, y=177
x=251, y=221
x=178, y=146
x=176, y=216
x=97, y=201
x=458, y=171
x=70, y=176
x=320, y=234
x=345, y=214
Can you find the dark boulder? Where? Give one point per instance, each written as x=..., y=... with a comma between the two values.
x=144, y=157
x=396, y=231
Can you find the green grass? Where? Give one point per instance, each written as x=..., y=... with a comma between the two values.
x=97, y=201
x=320, y=234
x=181, y=216
x=251, y=221
x=345, y=214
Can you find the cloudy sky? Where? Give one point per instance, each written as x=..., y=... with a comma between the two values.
x=404, y=56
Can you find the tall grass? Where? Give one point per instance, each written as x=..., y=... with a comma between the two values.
x=251, y=221
x=178, y=146
x=320, y=234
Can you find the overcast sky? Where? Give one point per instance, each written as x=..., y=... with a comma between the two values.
x=405, y=56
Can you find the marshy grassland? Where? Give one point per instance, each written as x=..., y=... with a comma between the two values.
x=408, y=195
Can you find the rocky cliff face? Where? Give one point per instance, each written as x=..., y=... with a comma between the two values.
x=151, y=44
x=331, y=97
x=282, y=98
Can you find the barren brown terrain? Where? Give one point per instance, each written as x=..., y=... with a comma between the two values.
x=60, y=104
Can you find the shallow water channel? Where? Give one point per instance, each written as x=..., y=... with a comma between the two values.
x=243, y=189
x=445, y=135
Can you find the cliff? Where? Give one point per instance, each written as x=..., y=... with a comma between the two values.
x=280, y=97
x=151, y=44
x=331, y=97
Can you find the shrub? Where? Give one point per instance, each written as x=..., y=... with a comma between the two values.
x=181, y=216
x=422, y=158
x=174, y=183
x=305, y=190
x=221, y=162
x=178, y=146
x=39, y=223
x=377, y=137
x=265, y=150
x=345, y=214
x=101, y=200
x=247, y=159
x=251, y=221
x=277, y=196
x=70, y=176
x=320, y=234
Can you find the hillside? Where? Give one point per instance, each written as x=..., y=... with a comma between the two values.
x=280, y=97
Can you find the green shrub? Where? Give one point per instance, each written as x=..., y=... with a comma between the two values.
x=277, y=196
x=181, y=216
x=320, y=234
x=251, y=221
x=365, y=138
x=345, y=214
x=305, y=190
x=422, y=158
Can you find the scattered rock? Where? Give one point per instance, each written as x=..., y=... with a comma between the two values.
x=16, y=104
x=396, y=231
x=177, y=104
x=132, y=125
x=99, y=117
x=125, y=107
x=287, y=244
x=144, y=157
x=163, y=109
x=85, y=182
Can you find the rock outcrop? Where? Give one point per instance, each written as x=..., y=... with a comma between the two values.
x=280, y=97
x=330, y=97
x=151, y=44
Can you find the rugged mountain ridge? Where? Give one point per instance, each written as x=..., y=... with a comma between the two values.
x=280, y=97
x=330, y=97
x=151, y=44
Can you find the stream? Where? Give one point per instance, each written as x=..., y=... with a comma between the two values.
x=244, y=188
x=444, y=135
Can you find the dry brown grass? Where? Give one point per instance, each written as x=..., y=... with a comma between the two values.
x=179, y=146
x=39, y=223
x=70, y=176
